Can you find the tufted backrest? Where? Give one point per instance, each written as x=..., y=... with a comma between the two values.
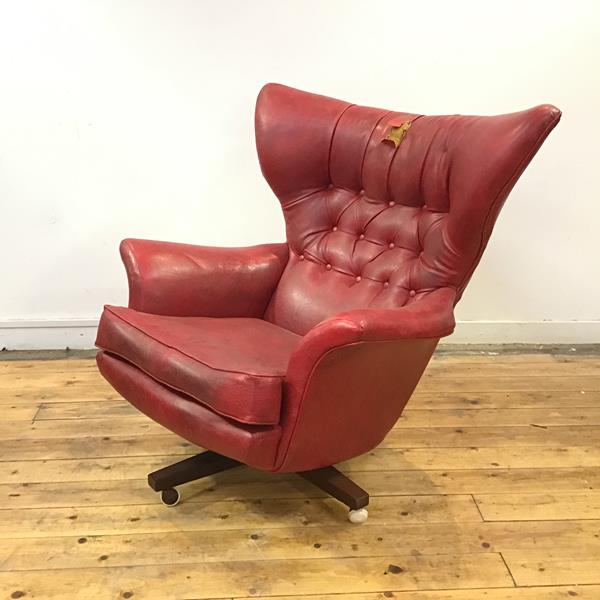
x=383, y=207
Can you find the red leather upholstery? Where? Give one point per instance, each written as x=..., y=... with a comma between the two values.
x=353, y=374
x=362, y=213
x=254, y=445
x=383, y=234
x=199, y=281
x=234, y=366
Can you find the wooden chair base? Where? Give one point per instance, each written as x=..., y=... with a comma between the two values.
x=336, y=484
x=328, y=479
x=190, y=469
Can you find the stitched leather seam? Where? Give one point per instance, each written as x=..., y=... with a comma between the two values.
x=203, y=403
x=374, y=258
x=498, y=198
x=389, y=168
x=295, y=201
x=354, y=200
x=362, y=162
x=421, y=239
x=134, y=275
x=345, y=189
x=249, y=374
x=448, y=174
x=337, y=122
x=276, y=283
x=371, y=241
x=424, y=163
x=317, y=261
x=327, y=198
x=366, y=239
x=309, y=242
x=375, y=216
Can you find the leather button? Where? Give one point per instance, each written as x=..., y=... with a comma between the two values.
x=334, y=228
x=358, y=278
x=412, y=293
x=328, y=267
x=386, y=284
x=361, y=236
x=424, y=206
x=391, y=203
x=301, y=257
x=391, y=245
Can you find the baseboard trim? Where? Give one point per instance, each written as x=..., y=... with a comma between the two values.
x=525, y=332
x=48, y=334
x=58, y=334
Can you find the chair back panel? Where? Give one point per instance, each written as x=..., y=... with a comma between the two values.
x=383, y=207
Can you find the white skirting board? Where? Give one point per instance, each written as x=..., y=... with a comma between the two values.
x=48, y=334
x=80, y=333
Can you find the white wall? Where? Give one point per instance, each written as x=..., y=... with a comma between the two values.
x=135, y=118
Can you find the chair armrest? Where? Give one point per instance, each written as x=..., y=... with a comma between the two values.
x=431, y=317
x=187, y=280
x=349, y=379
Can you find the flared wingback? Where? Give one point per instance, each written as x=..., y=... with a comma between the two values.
x=382, y=208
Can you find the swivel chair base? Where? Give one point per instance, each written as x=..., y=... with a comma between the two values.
x=328, y=479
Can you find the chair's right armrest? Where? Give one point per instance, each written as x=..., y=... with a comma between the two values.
x=187, y=280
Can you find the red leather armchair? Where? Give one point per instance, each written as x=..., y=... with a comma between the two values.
x=293, y=357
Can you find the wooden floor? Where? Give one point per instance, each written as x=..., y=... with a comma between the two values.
x=488, y=487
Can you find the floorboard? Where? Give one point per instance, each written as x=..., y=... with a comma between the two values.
x=487, y=488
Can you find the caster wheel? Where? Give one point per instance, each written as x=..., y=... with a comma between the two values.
x=170, y=497
x=358, y=516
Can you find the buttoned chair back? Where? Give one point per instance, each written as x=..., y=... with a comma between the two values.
x=382, y=208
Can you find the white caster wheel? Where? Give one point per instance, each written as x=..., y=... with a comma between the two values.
x=170, y=497
x=358, y=516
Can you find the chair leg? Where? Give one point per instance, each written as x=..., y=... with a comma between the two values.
x=184, y=471
x=336, y=484
x=328, y=479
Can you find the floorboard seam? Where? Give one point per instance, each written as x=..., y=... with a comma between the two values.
x=509, y=571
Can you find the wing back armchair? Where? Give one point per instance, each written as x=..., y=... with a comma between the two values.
x=293, y=357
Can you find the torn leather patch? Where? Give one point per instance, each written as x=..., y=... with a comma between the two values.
x=397, y=134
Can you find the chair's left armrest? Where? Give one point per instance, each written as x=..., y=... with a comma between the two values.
x=431, y=317
x=349, y=378
x=187, y=280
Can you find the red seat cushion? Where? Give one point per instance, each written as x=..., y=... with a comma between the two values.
x=235, y=366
